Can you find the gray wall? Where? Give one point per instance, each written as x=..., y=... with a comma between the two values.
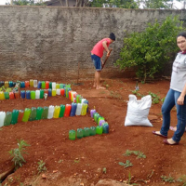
x=49, y=42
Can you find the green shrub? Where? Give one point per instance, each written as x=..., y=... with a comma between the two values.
x=149, y=50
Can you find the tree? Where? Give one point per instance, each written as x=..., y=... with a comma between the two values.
x=26, y=2
x=149, y=50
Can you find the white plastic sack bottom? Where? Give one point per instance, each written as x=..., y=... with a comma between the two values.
x=137, y=111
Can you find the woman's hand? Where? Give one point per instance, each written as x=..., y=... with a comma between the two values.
x=180, y=100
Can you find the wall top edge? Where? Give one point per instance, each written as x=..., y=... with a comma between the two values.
x=89, y=8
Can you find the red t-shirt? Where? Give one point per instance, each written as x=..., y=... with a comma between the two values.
x=98, y=48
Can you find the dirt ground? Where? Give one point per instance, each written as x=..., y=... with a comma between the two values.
x=85, y=159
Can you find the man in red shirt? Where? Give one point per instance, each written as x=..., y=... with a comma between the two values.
x=97, y=54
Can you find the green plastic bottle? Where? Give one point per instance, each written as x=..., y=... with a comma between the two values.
x=45, y=113
x=50, y=85
x=32, y=114
x=15, y=114
x=86, y=132
x=6, y=95
x=26, y=115
x=79, y=133
x=61, y=85
x=100, y=118
x=72, y=134
x=41, y=94
x=39, y=112
x=8, y=118
x=96, y=116
x=105, y=128
x=99, y=130
x=62, y=111
x=33, y=94
x=43, y=84
x=92, y=131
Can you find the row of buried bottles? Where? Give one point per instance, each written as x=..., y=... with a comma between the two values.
x=80, y=133
x=40, y=94
x=7, y=118
x=35, y=84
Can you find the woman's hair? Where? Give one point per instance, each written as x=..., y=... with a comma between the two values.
x=183, y=34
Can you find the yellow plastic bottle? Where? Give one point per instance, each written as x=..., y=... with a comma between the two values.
x=6, y=84
x=56, y=112
x=84, y=109
x=31, y=83
x=2, y=96
x=57, y=86
x=53, y=92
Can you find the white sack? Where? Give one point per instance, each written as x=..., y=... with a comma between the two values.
x=137, y=111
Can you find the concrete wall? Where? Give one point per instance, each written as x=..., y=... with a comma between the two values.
x=49, y=42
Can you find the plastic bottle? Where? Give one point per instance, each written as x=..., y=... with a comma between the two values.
x=96, y=116
x=43, y=84
x=39, y=85
x=61, y=86
x=99, y=119
x=22, y=85
x=10, y=84
x=2, y=83
x=17, y=95
x=69, y=94
x=2, y=118
x=26, y=115
x=8, y=118
x=6, y=94
x=28, y=94
x=56, y=112
x=92, y=131
x=11, y=95
x=86, y=132
x=79, y=133
x=6, y=84
x=53, y=85
x=31, y=83
x=99, y=130
x=53, y=92
x=78, y=98
x=33, y=94
x=58, y=91
x=37, y=94
x=86, y=102
x=47, y=84
x=20, y=116
x=35, y=83
x=2, y=96
x=27, y=84
x=105, y=128
x=41, y=94
x=73, y=109
x=50, y=112
x=15, y=114
x=32, y=114
x=50, y=85
x=57, y=86
x=62, y=92
x=101, y=122
x=67, y=110
x=72, y=134
x=23, y=94
x=92, y=111
x=84, y=109
x=62, y=111
x=39, y=112
x=78, y=109
x=49, y=92
x=45, y=113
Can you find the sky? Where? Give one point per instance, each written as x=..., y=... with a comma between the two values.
x=177, y=5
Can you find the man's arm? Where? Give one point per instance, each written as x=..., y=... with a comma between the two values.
x=105, y=47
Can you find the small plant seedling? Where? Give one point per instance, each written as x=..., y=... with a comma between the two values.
x=155, y=98
x=137, y=153
x=104, y=170
x=60, y=161
x=127, y=164
x=76, y=161
x=162, y=100
x=135, y=92
x=168, y=179
x=17, y=154
x=128, y=153
x=41, y=166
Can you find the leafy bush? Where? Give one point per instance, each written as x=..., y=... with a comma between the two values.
x=150, y=49
x=17, y=154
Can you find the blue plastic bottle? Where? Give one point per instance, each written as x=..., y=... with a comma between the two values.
x=28, y=94
x=22, y=85
x=39, y=85
x=49, y=92
x=23, y=94
x=73, y=109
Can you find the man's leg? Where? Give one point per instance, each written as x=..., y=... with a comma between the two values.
x=97, y=80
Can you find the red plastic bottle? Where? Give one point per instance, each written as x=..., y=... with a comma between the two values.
x=11, y=95
x=47, y=84
x=70, y=94
x=17, y=95
x=67, y=110
x=20, y=116
x=27, y=84
x=62, y=92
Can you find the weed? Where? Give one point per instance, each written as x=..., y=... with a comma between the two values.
x=76, y=161
x=162, y=100
x=182, y=179
x=41, y=166
x=60, y=161
x=115, y=95
x=155, y=98
x=137, y=153
x=17, y=154
x=104, y=170
x=127, y=164
x=168, y=179
x=135, y=92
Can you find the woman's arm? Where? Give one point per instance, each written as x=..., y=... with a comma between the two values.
x=180, y=100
